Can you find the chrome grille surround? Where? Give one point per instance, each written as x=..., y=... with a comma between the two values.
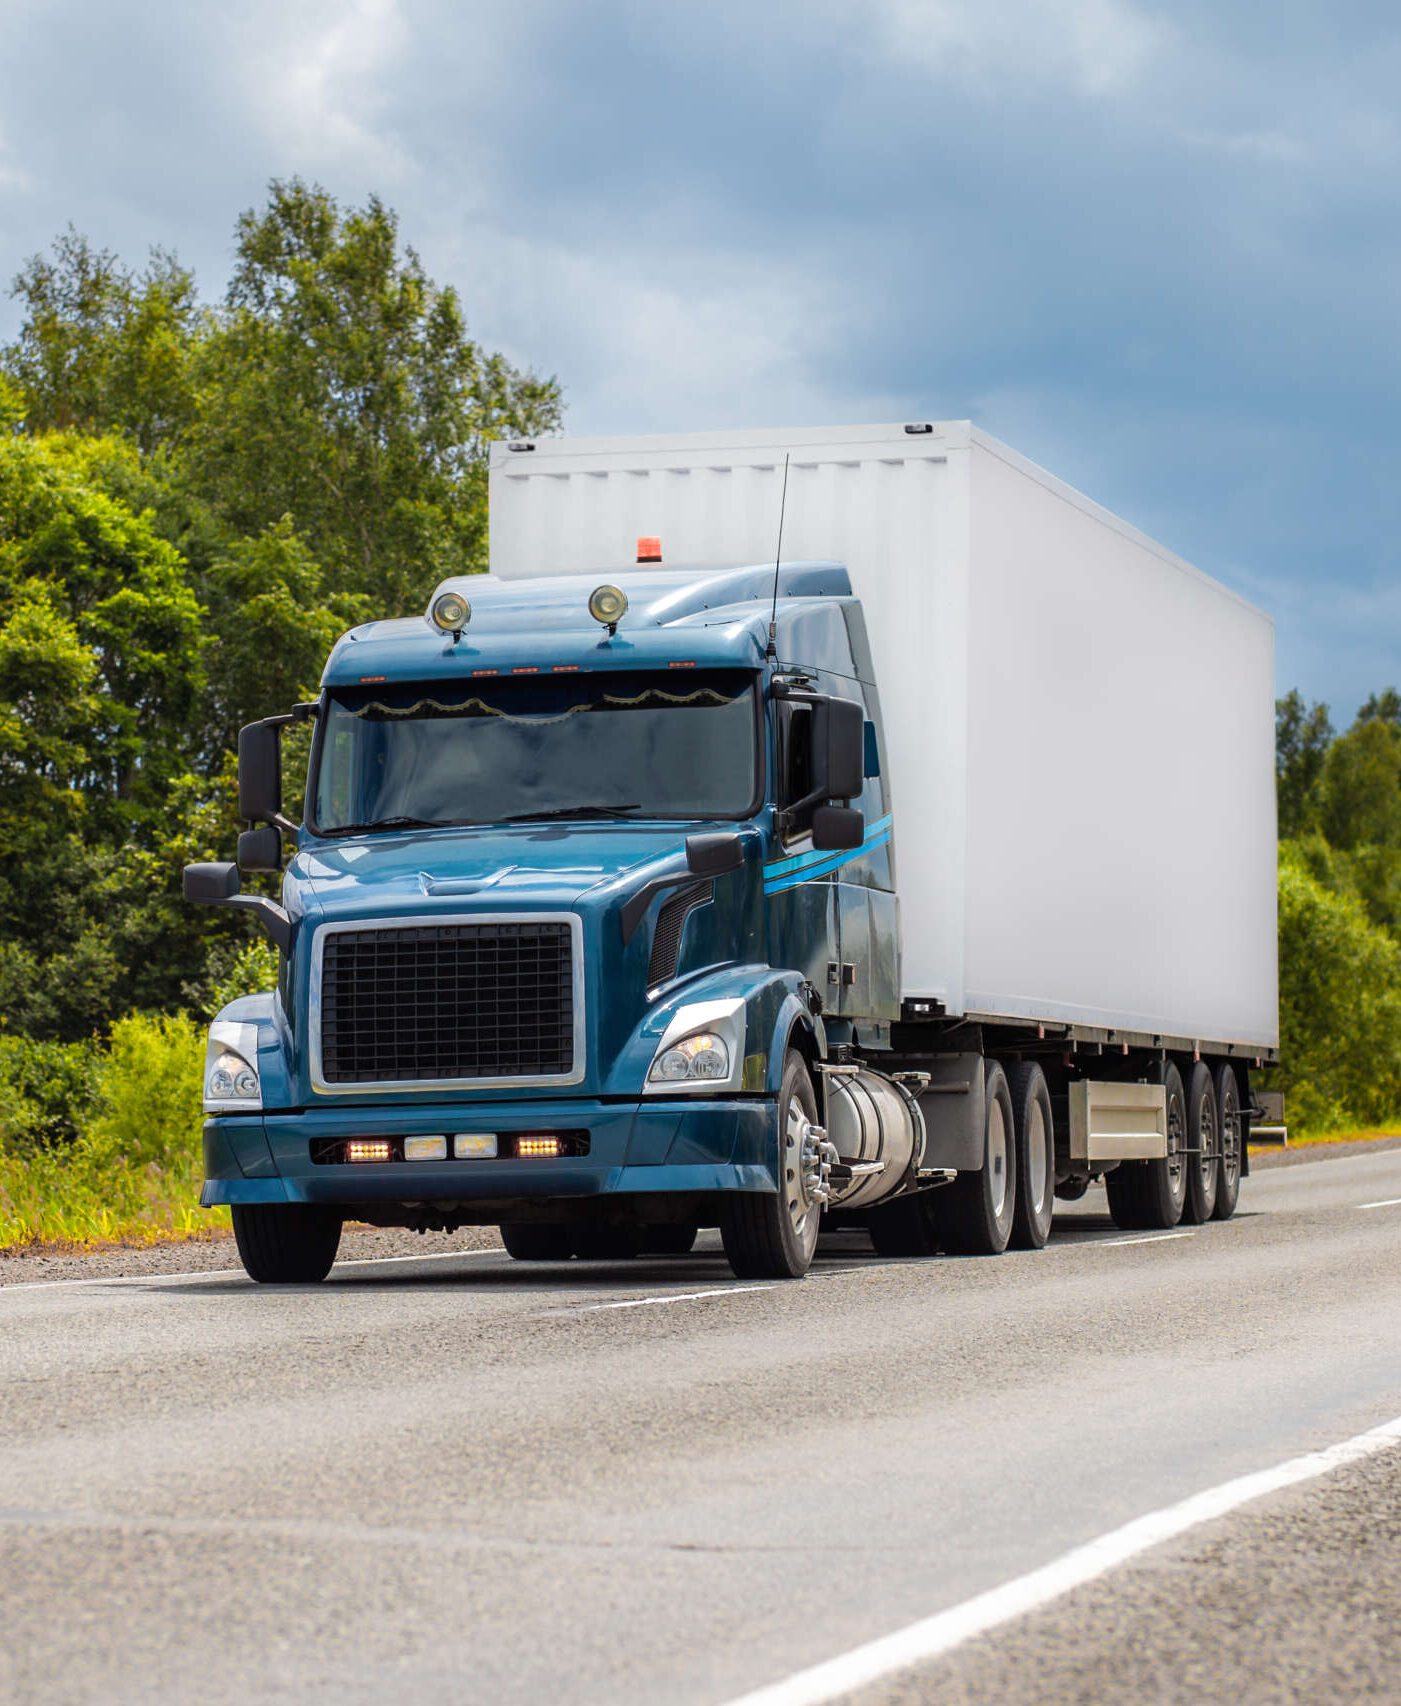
x=431, y=921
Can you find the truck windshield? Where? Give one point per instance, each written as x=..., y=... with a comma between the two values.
x=488, y=751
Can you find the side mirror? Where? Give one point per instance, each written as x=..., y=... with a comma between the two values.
x=836, y=829
x=260, y=849
x=839, y=749
x=713, y=855
x=260, y=772
x=211, y=885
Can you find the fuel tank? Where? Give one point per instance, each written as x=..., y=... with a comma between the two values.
x=877, y=1130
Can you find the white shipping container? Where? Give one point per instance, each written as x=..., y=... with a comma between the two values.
x=1079, y=724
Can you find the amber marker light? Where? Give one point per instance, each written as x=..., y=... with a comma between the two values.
x=369, y=1149
x=544, y=1146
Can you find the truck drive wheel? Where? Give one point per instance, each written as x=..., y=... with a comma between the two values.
x=1035, y=1196
x=909, y=1226
x=1232, y=1128
x=976, y=1211
x=773, y=1235
x=670, y=1239
x=538, y=1241
x=1202, y=1161
x=286, y=1243
x=1149, y=1195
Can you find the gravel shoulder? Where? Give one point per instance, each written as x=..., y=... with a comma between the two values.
x=216, y=1255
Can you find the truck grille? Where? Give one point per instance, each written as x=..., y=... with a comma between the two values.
x=448, y=1001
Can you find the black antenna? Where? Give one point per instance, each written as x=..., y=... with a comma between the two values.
x=771, y=650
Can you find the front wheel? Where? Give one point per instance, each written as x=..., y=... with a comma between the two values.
x=774, y=1235
x=286, y=1243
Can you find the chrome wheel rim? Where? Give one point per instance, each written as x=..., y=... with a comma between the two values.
x=1230, y=1139
x=1177, y=1174
x=997, y=1159
x=1037, y=1171
x=802, y=1175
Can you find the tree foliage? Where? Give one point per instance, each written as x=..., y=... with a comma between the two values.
x=195, y=501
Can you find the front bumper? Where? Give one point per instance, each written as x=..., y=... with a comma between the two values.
x=661, y=1145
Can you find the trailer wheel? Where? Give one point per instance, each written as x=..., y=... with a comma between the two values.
x=908, y=1226
x=773, y=1234
x=1035, y=1156
x=537, y=1241
x=286, y=1243
x=1232, y=1129
x=1149, y=1195
x=977, y=1210
x=607, y=1243
x=669, y=1239
x=1204, y=1138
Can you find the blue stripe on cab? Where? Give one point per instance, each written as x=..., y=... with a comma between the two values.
x=821, y=864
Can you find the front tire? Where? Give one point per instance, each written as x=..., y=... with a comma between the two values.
x=286, y=1243
x=773, y=1235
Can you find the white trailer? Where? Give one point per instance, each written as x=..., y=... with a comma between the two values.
x=1079, y=724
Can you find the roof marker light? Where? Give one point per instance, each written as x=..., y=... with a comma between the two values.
x=649, y=550
x=451, y=612
x=608, y=605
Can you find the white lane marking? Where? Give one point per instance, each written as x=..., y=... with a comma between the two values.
x=934, y=1636
x=1390, y=1202
x=644, y=1302
x=1152, y=1238
x=237, y=1273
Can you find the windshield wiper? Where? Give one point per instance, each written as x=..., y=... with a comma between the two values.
x=396, y=823
x=571, y=811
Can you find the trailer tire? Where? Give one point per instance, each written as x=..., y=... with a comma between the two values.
x=1148, y=1195
x=1202, y=1162
x=669, y=1239
x=773, y=1234
x=1232, y=1135
x=1035, y=1156
x=908, y=1226
x=607, y=1243
x=977, y=1210
x=537, y=1241
x=286, y=1243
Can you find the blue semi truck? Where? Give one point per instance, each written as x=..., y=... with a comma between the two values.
x=593, y=930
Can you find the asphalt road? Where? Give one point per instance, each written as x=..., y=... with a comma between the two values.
x=468, y=1480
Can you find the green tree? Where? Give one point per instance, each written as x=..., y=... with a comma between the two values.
x=1303, y=734
x=103, y=348
x=1359, y=787
x=341, y=389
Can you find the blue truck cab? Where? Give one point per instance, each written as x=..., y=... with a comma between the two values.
x=590, y=933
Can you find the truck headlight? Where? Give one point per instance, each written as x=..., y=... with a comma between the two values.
x=703, y=1056
x=231, y=1077
x=701, y=1048
x=231, y=1081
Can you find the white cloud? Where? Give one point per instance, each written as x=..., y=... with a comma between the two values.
x=317, y=74
x=1099, y=47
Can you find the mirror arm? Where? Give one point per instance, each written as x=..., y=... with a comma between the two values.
x=277, y=926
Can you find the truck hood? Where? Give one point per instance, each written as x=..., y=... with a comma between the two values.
x=515, y=866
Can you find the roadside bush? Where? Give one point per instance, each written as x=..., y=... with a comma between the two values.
x=1339, y=1005
x=48, y=1092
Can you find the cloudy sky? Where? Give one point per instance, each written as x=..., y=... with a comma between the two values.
x=1155, y=246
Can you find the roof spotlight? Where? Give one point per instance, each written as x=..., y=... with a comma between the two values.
x=608, y=605
x=451, y=612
